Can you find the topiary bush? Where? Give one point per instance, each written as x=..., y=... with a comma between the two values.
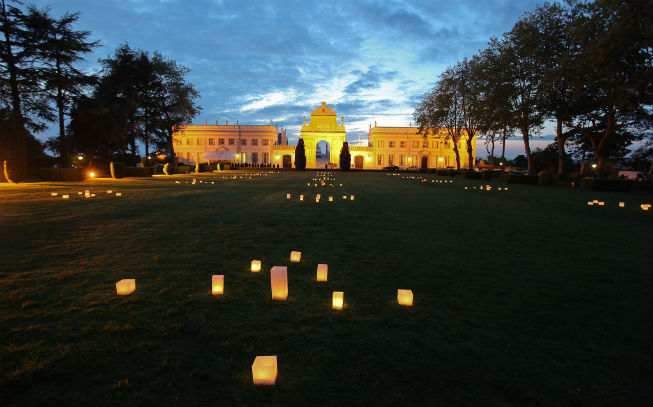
x=13, y=171
x=62, y=174
x=603, y=184
x=345, y=157
x=117, y=169
x=545, y=178
x=300, y=155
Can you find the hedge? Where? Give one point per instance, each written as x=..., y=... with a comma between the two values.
x=545, y=178
x=183, y=169
x=472, y=175
x=603, y=184
x=62, y=174
x=138, y=172
x=117, y=169
x=521, y=179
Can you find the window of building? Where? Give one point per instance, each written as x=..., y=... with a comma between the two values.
x=435, y=145
x=402, y=144
x=176, y=141
x=266, y=156
x=232, y=141
x=189, y=157
x=391, y=159
x=379, y=159
x=255, y=142
x=221, y=141
x=380, y=143
x=391, y=144
x=446, y=144
x=254, y=158
x=189, y=141
x=425, y=144
x=415, y=144
x=264, y=142
x=243, y=141
x=199, y=141
x=211, y=141
x=401, y=159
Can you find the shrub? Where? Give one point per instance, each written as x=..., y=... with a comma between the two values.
x=183, y=169
x=300, y=155
x=603, y=184
x=138, y=172
x=486, y=175
x=117, y=169
x=62, y=174
x=13, y=171
x=345, y=157
x=545, y=178
x=521, y=179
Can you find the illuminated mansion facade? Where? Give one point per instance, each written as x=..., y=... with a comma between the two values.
x=264, y=144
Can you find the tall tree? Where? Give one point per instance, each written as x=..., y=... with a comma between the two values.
x=613, y=93
x=59, y=48
x=23, y=103
x=345, y=157
x=300, y=155
x=495, y=117
x=524, y=74
x=173, y=101
x=441, y=109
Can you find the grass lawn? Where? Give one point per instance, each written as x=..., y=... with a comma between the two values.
x=522, y=297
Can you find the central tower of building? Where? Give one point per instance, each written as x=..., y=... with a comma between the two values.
x=323, y=127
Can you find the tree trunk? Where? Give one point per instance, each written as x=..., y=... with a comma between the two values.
x=455, y=150
x=470, y=152
x=561, y=147
x=18, y=147
x=527, y=148
x=503, y=146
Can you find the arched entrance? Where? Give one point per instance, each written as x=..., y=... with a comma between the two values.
x=358, y=162
x=322, y=154
x=323, y=127
x=287, y=161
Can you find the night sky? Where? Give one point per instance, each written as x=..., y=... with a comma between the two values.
x=256, y=61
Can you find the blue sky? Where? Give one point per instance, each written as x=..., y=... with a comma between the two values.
x=256, y=61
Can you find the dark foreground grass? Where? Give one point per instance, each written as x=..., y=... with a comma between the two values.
x=522, y=297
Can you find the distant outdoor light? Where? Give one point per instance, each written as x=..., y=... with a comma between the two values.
x=295, y=257
x=405, y=297
x=410, y=159
x=622, y=204
x=276, y=157
x=301, y=197
x=217, y=284
x=593, y=165
x=264, y=370
x=126, y=286
x=288, y=196
x=256, y=266
x=80, y=157
x=501, y=163
x=330, y=198
x=91, y=174
x=322, y=271
x=368, y=158
x=279, y=282
x=338, y=300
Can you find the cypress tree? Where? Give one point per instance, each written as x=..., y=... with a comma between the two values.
x=300, y=155
x=345, y=157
